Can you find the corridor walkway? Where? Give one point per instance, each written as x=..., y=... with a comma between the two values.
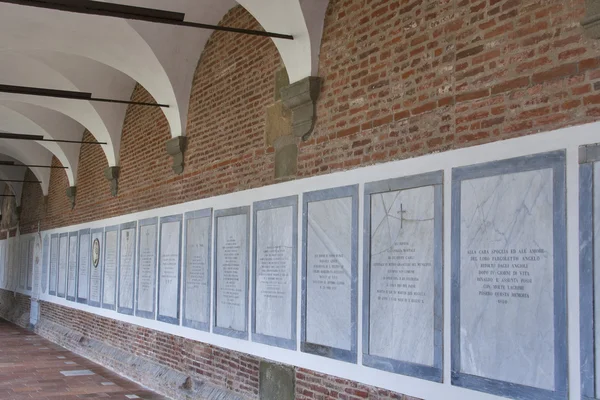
x=34, y=368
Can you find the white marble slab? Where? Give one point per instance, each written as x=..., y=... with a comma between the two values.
x=84, y=266
x=170, y=242
x=596, y=205
x=81, y=372
x=274, y=249
x=402, y=275
x=196, y=283
x=53, y=263
x=506, y=278
x=30, y=261
x=329, y=275
x=109, y=286
x=62, y=265
x=231, y=267
x=147, y=269
x=126, y=268
x=72, y=272
x=23, y=258
x=96, y=270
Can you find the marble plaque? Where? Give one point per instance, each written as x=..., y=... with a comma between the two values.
x=96, y=268
x=45, y=263
x=146, y=285
x=330, y=273
x=109, y=285
x=37, y=266
x=231, y=297
x=169, y=266
x=72, y=272
x=23, y=262
x=63, y=258
x=402, y=275
x=507, y=278
x=83, y=278
x=30, y=262
x=596, y=268
x=53, y=279
x=196, y=296
x=127, y=268
x=274, y=267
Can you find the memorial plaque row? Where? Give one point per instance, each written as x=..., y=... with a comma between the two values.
x=508, y=274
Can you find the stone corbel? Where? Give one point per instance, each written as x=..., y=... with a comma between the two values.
x=591, y=21
x=71, y=193
x=176, y=149
x=301, y=98
x=112, y=175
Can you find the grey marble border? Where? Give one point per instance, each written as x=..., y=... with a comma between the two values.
x=122, y=227
x=430, y=372
x=45, y=262
x=52, y=292
x=586, y=279
x=189, y=216
x=245, y=210
x=75, y=235
x=100, y=265
x=83, y=232
x=58, y=294
x=291, y=201
x=163, y=220
x=556, y=161
x=313, y=348
x=114, y=228
x=141, y=224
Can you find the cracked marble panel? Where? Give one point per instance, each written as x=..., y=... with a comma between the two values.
x=126, y=268
x=596, y=205
x=110, y=259
x=96, y=270
x=506, y=278
x=147, y=269
x=72, y=273
x=274, y=250
x=62, y=265
x=329, y=273
x=170, y=242
x=53, y=263
x=402, y=275
x=84, y=266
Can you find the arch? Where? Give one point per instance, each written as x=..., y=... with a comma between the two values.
x=16, y=174
x=30, y=153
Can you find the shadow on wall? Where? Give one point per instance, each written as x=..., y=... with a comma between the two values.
x=14, y=307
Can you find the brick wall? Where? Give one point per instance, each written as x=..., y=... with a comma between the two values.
x=15, y=307
x=401, y=79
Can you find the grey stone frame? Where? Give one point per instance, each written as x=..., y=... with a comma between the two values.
x=588, y=155
x=141, y=224
x=122, y=227
x=291, y=201
x=114, y=228
x=434, y=372
x=189, y=216
x=52, y=290
x=58, y=277
x=245, y=210
x=76, y=236
x=30, y=263
x=313, y=348
x=45, y=261
x=84, y=232
x=100, y=265
x=556, y=161
x=163, y=318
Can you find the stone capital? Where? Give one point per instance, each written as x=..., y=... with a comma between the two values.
x=176, y=148
x=591, y=21
x=112, y=175
x=71, y=193
x=300, y=98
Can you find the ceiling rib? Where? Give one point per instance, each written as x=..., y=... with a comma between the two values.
x=135, y=13
x=69, y=94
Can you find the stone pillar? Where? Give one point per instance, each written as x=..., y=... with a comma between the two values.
x=300, y=98
x=71, y=193
x=286, y=157
x=591, y=22
x=112, y=175
x=176, y=149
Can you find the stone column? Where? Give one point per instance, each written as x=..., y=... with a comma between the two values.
x=300, y=98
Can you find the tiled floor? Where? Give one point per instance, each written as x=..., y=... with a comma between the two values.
x=34, y=368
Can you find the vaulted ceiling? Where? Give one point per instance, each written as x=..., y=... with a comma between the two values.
x=107, y=56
